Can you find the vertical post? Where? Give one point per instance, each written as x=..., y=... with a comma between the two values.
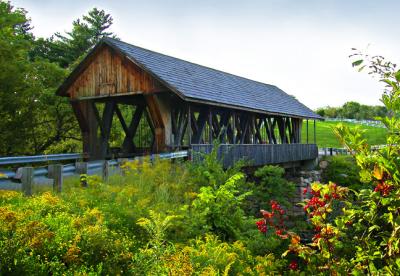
x=27, y=180
x=315, y=133
x=55, y=173
x=81, y=167
x=307, y=131
x=233, y=127
x=284, y=131
x=106, y=170
x=190, y=125
x=210, y=130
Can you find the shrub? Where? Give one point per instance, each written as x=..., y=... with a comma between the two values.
x=343, y=170
x=270, y=185
x=218, y=209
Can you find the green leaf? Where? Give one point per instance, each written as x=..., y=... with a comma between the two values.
x=397, y=76
x=357, y=62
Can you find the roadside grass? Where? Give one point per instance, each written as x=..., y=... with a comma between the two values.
x=326, y=137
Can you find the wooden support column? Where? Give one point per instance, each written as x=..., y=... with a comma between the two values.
x=307, y=131
x=157, y=122
x=200, y=124
x=234, y=127
x=128, y=146
x=107, y=119
x=88, y=123
x=245, y=129
x=315, y=133
x=267, y=125
x=210, y=125
x=181, y=123
x=257, y=130
x=190, y=125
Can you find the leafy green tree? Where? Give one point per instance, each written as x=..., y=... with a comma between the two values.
x=68, y=50
x=350, y=109
x=34, y=119
x=18, y=83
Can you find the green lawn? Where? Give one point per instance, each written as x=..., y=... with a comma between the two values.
x=326, y=137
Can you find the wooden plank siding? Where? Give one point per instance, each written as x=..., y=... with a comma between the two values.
x=111, y=74
x=258, y=154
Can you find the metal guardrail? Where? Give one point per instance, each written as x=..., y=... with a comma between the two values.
x=342, y=151
x=39, y=158
x=11, y=181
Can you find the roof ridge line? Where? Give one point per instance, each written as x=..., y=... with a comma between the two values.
x=224, y=72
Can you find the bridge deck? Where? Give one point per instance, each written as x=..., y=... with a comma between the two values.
x=259, y=154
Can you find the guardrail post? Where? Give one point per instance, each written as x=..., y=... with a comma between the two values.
x=81, y=167
x=106, y=170
x=56, y=173
x=27, y=180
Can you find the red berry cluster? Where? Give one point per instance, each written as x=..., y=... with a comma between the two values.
x=313, y=205
x=262, y=227
x=274, y=219
x=383, y=188
x=317, y=202
x=293, y=265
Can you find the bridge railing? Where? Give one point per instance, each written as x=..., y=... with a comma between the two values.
x=259, y=154
x=12, y=179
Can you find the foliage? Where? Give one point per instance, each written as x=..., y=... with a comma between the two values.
x=45, y=235
x=269, y=184
x=68, y=50
x=208, y=168
x=343, y=170
x=208, y=211
x=37, y=121
x=133, y=224
x=156, y=226
x=364, y=238
x=353, y=110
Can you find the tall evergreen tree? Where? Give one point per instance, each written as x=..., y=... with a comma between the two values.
x=69, y=48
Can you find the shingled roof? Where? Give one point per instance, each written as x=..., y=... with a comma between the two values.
x=199, y=83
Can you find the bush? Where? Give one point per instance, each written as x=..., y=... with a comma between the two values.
x=270, y=185
x=342, y=170
x=218, y=209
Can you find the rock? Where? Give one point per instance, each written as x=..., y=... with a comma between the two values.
x=323, y=164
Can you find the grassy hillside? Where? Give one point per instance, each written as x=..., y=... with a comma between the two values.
x=326, y=137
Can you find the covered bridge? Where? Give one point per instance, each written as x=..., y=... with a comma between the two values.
x=164, y=103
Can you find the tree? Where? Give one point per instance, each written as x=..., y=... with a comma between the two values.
x=67, y=50
x=350, y=110
x=33, y=119
x=17, y=84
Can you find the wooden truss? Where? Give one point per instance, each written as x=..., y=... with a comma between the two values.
x=231, y=127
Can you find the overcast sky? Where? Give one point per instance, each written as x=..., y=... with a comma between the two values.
x=300, y=46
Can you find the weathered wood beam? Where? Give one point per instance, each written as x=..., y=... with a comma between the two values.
x=157, y=122
x=210, y=123
x=128, y=145
x=257, y=130
x=267, y=125
x=200, y=124
x=273, y=126
x=181, y=128
x=290, y=132
x=245, y=129
x=107, y=117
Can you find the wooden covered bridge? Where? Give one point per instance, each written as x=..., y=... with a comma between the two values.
x=164, y=104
